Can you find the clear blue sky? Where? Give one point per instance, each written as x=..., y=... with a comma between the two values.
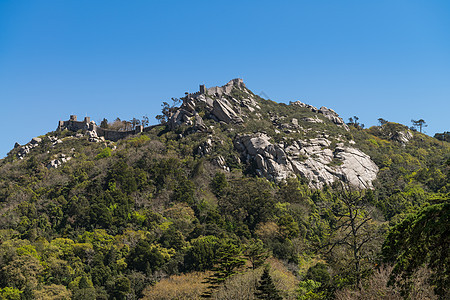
x=373, y=59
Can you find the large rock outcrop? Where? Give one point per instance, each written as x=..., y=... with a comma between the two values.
x=315, y=159
x=35, y=142
x=402, y=136
x=326, y=112
x=222, y=110
x=311, y=159
x=215, y=103
x=333, y=117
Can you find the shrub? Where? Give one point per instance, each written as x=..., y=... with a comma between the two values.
x=106, y=152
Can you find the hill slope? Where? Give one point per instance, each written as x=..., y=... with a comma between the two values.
x=83, y=216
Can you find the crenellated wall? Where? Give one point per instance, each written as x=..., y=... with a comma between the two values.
x=113, y=135
x=73, y=125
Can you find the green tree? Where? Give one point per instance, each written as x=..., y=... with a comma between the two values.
x=219, y=184
x=9, y=293
x=168, y=110
x=106, y=152
x=293, y=190
x=445, y=136
x=54, y=292
x=121, y=289
x=135, y=122
x=147, y=258
x=249, y=200
x=309, y=290
x=184, y=192
x=85, y=294
x=145, y=121
x=354, y=122
x=228, y=261
x=172, y=238
x=419, y=124
x=382, y=121
x=422, y=239
x=202, y=253
x=256, y=253
x=288, y=227
x=104, y=123
x=266, y=288
x=23, y=271
x=353, y=230
x=319, y=274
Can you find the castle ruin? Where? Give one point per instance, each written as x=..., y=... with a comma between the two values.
x=113, y=135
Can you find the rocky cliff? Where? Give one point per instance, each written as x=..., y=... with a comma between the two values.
x=307, y=145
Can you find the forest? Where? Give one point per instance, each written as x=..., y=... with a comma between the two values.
x=149, y=217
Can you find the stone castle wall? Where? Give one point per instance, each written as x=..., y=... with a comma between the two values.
x=113, y=135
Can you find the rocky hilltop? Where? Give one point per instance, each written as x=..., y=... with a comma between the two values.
x=272, y=140
x=313, y=153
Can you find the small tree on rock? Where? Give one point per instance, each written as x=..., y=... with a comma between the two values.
x=382, y=121
x=419, y=124
x=168, y=110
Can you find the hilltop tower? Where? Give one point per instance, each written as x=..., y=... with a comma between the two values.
x=202, y=89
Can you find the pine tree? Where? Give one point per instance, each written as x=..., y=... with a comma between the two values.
x=266, y=289
x=228, y=261
x=104, y=123
x=419, y=124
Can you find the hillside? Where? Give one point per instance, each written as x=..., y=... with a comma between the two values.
x=227, y=183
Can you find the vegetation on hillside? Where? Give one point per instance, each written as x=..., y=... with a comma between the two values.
x=151, y=217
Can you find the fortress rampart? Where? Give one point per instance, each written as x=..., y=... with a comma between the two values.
x=113, y=135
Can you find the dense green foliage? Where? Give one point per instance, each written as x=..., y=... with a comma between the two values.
x=119, y=217
x=422, y=239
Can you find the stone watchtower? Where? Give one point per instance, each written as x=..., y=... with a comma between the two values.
x=202, y=89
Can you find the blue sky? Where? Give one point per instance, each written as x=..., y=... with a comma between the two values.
x=373, y=59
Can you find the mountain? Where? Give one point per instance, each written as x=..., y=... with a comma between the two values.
x=281, y=142
x=227, y=182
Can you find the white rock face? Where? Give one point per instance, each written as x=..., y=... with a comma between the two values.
x=55, y=163
x=402, y=136
x=216, y=104
x=326, y=112
x=221, y=163
x=223, y=111
x=357, y=167
x=333, y=117
x=93, y=137
x=24, y=150
x=311, y=159
x=233, y=103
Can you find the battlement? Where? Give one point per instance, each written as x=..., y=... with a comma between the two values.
x=227, y=88
x=114, y=135
x=218, y=90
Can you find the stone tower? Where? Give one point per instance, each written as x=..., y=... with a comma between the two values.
x=202, y=89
